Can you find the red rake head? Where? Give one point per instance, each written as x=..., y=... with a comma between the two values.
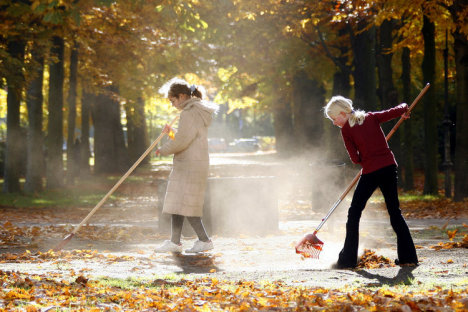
x=310, y=246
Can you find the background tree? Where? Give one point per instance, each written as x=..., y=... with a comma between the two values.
x=54, y=141
x=407, y=148
x=35, y=141
x=459, y=12
x=430, y=108
x=73, y=143
x=260, y=58
x=15, y=81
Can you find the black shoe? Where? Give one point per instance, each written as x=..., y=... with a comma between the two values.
x=409, y=264
x=339, y=266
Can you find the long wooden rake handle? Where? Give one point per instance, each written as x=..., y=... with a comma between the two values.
x=356, y=178
x=145, y=153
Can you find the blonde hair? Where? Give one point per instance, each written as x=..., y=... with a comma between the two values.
x=338, y=104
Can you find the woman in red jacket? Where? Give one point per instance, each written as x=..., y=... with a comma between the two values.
x=366, y=145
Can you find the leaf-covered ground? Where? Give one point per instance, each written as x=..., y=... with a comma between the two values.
x=110, y=264
x=32, y=292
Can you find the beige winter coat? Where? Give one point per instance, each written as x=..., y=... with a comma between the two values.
x=185, y=193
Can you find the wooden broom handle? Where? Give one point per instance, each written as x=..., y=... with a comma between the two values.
x=416, y=100
x=148, y=150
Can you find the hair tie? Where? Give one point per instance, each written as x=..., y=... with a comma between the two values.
x=352, y=111
x=192, y=88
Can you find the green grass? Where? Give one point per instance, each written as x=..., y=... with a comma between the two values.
x=408, y=197
x=133, y=282
x=49, y=199
x=85, y=193
x=127, y=283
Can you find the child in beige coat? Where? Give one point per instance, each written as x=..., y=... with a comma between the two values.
x=187, y=182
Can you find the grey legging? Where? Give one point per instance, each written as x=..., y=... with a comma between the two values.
x=195, y=222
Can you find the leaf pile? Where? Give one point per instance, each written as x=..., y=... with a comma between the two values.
x=369, y=260
x=24, y=236
x=38, y=292
x=449, y=245
x=63, y=255
x=451, y=236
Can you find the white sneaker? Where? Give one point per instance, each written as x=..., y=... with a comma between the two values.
x=168, y=246
x=200, y=246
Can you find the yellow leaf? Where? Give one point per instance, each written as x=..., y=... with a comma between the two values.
x=31, y=308
x=451, y=234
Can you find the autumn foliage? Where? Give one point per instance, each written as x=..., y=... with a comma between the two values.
x=35, y=292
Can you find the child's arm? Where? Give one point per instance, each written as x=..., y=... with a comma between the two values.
x=184, y=136
x=391, y=113
x=351, y=148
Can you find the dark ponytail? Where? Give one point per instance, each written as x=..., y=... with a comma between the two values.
x=179, y=87
x=195, y=92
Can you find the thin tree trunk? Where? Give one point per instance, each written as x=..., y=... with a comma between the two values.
x=11, y=184
x=408, y=160
x=387, y=91
x=308, y=98
x=54, y=140
x=364, y=69
x=72, y=145
x=461, y=147
x=137, y=138
x=35, y=141
x=335, y=148
x=86, y=102
x=341, y=84
x=283, y=127
x=110, y=154
x=430, y=111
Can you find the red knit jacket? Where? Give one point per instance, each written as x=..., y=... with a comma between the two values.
x=366, y=143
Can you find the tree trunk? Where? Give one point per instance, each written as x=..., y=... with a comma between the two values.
x=86, y=103
x=54, y=173
x=137, y=139
x=335, y=148
x=461, y=143
x=341, y=84
x=364, y=69
x=308, y=99
x=430, y=111
x=387, y=91
x=110, y=154
x=283, y=127
x=73, y=146
x=384, y=64
x=408, y=161
x=14, y=78
x=35, y=148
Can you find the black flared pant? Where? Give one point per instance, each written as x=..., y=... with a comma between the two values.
x=386, y=180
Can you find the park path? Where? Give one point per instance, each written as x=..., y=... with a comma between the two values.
x=268, y=257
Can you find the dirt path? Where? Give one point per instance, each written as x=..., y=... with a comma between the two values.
x=270, y=258
x=258, y=258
